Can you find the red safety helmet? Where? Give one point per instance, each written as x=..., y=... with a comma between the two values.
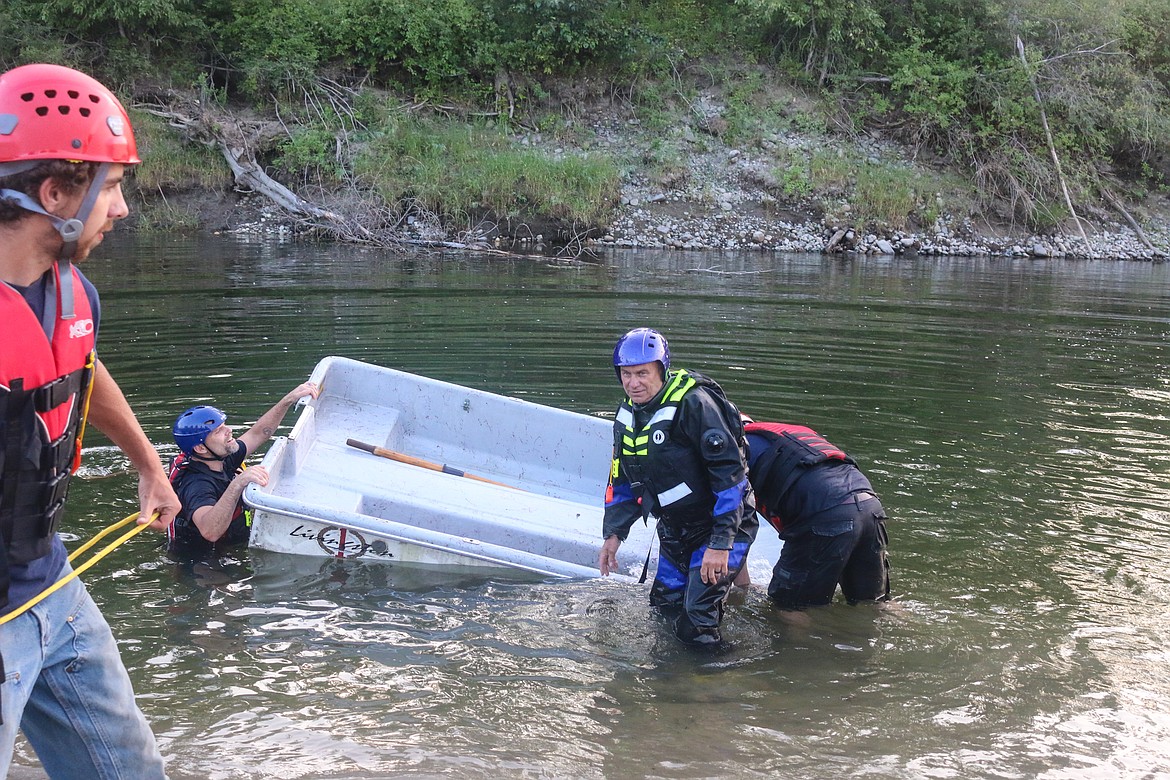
x=50, y=112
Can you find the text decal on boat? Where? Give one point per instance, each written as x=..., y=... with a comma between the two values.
x=341, y=542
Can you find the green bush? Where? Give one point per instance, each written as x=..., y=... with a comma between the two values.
x=823, y=38
x=272, y=48
x=146, y=22
x=931, y=88
x=555, y=36
x=794, y=180
x=310, y=155
x=428, y=45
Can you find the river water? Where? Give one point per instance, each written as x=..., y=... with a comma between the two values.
x=1013, y=415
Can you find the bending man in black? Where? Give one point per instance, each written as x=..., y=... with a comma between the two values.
x=678, y=455
x=824, y=507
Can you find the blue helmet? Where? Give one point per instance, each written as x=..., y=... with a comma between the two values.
x=193, y=426
x=641, y=345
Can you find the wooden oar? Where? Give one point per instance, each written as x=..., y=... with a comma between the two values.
x=426, y=464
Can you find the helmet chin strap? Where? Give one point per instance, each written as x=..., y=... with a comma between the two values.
x=69, y=229
x=215, y=458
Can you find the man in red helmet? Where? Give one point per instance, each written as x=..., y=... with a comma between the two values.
x=65, y=142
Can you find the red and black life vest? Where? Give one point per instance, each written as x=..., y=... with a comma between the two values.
x=794, y=450
x=44, y=397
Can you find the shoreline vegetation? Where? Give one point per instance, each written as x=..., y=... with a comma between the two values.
x=563, y=125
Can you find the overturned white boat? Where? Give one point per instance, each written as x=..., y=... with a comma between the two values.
x=396, y=467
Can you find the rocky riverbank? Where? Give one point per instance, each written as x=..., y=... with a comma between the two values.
x=675, y=223
x=726, y=197
x=728, y=201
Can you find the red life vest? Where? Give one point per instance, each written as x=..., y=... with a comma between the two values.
x=44, y=397
x=794, y=449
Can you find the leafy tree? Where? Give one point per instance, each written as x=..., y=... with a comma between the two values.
x=430, y=44
x=125, y=17
x=829, y=37
x=555, y=36
x=933, y=89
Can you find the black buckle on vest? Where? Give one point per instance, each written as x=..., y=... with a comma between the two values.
x=50, y=396
x=52, y=517
x=55, y=491
x=58, y=454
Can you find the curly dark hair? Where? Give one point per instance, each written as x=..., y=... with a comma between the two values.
x=72, y=176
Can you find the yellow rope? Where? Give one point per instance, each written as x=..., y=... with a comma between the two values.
x=37, y=599
x=102, y=534
x=91, y=365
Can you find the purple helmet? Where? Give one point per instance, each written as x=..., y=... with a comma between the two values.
x=641, y=345
x=194, y=425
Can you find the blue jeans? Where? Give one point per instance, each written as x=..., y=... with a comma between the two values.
x=66, y=687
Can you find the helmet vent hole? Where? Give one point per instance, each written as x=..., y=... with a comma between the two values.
x=84, y=112
x=50, y=93
x=94, y=99
x=42, y=111
x=74, y=94
x=27, y=97
x=63, y=110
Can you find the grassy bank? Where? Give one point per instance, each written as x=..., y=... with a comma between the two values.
x=462, y=171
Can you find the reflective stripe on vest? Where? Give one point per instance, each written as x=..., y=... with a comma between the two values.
x=676, y=493
x=635, y=442
x=634, y=445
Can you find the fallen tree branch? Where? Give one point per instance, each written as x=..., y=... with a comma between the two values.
x=249, y=174
x=236, y=143
x=1052, y=145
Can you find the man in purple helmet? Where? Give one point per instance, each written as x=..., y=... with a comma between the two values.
x=679, y=455
x=209, y=479
x=65, y=143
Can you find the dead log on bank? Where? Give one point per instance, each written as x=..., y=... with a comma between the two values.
x=353, y=215
x=250, y=175
x=237, y=141
x=1116, y=203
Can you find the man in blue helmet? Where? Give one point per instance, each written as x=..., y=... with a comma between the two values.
x=679, y=455
x=208, y=476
